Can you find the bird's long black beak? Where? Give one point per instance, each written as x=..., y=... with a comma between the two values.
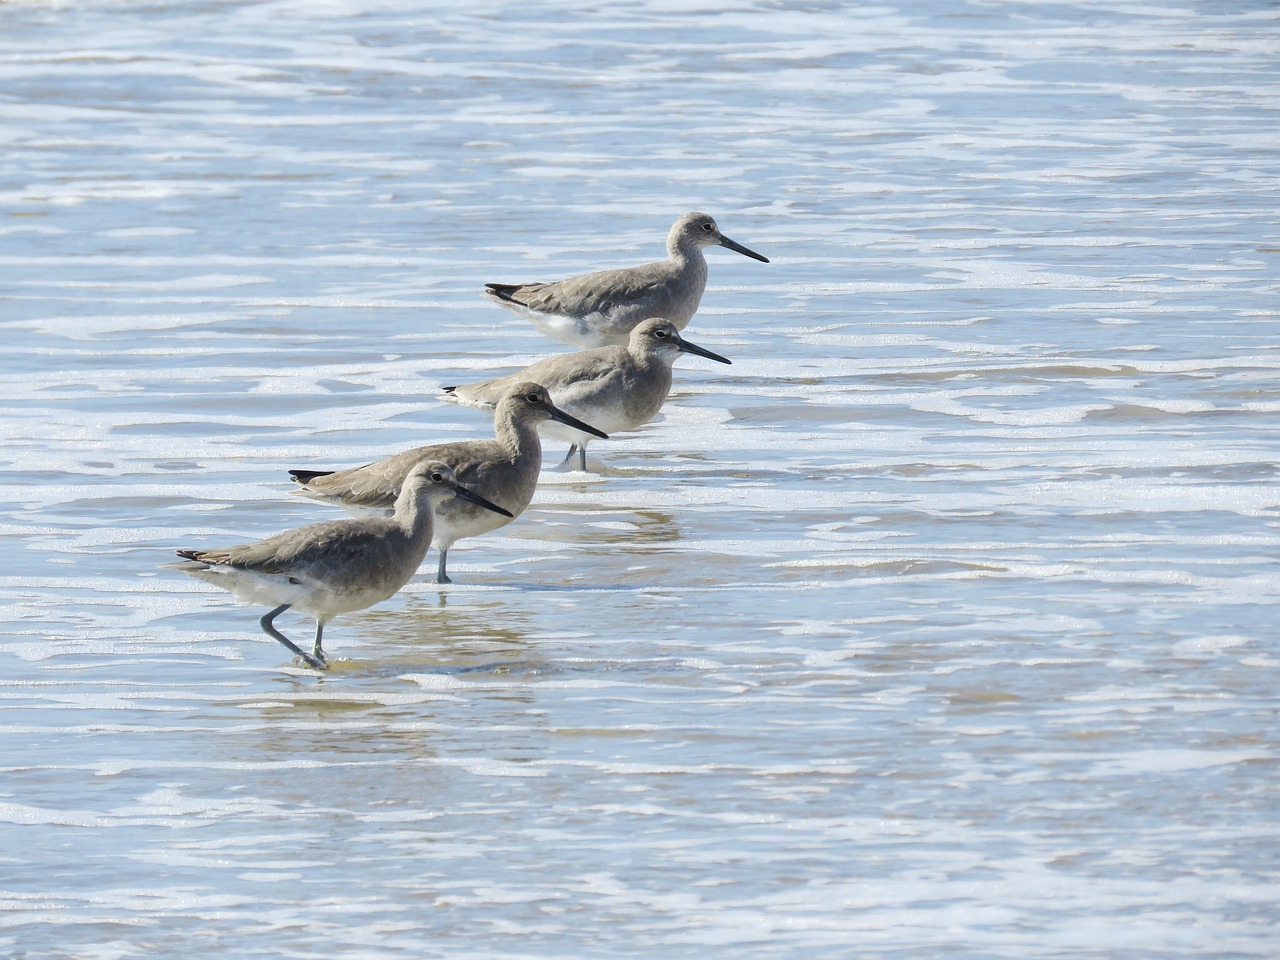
x=461, y=491
x=739, y=248
x=558, y=414
x=687, y=347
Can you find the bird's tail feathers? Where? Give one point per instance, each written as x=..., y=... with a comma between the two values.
x=502, y=291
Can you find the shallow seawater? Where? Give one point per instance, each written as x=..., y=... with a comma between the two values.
x=940, y=624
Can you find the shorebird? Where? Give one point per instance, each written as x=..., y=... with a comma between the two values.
x=599, y=309
x=505, y=470
x=616, y=387
x=335, y=567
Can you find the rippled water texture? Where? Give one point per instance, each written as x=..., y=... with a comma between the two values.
x=941, y=624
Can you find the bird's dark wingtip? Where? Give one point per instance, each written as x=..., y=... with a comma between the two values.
x=306, y=476
x=189, y=554
x=502, y=291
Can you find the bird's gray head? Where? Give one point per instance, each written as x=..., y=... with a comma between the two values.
x=661, y=337
x=530, y=402
x=698, y=230
x=655, y=335
x=435, y=481
x=431, y=478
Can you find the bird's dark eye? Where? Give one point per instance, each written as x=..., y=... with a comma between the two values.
x=437, y=478
x=660, y=334
x=533, y=398
x=708, y=226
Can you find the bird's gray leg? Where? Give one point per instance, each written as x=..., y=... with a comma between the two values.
x=315, y=649
x=271, y=631
x=577, y=451
x=441, y=576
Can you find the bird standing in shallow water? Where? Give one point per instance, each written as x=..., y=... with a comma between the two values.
x=504, y=470
x=336, y=567
x=617, y=387
x=599, y=309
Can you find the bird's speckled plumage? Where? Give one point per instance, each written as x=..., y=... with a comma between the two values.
x=616, y=388
x=503, y=470
x=600, y=309
x=327, y=569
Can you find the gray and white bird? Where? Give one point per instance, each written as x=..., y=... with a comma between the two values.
x=599, y=309
x=503, y=470
x=336, y=567
x=618, y=388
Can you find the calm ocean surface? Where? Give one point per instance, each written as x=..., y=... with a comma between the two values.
x=940, y=625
